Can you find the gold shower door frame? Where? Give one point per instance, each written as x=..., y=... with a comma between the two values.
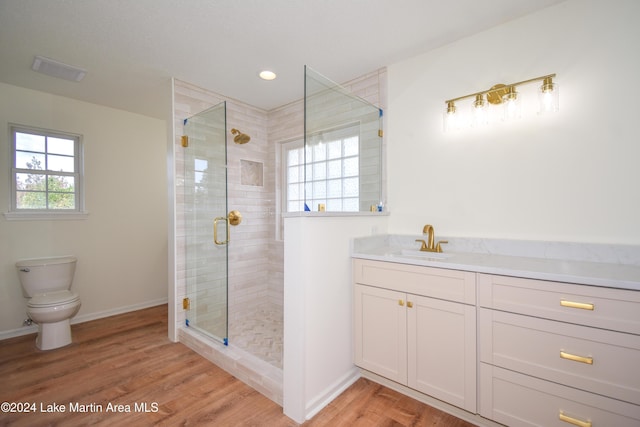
x=205, y=193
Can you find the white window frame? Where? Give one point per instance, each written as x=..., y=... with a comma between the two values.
x=78, y=212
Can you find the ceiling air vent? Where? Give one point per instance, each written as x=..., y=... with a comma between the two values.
x=54, y=68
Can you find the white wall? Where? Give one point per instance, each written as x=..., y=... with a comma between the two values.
x=122, y=246
x=318, y=301
x=572, y=177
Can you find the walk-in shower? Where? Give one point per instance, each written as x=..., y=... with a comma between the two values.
x=230, y=304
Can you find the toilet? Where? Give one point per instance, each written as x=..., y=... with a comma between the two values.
x=47, y=283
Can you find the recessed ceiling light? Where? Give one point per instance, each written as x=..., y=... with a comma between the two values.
x=267, y=75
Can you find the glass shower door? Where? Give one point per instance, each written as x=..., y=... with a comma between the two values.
x=206, y=222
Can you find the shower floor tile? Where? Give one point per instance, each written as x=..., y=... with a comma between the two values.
x=260, y=333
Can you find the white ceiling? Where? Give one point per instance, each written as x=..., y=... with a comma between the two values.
x=131, y=48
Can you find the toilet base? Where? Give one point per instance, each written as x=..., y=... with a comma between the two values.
x=53, y=335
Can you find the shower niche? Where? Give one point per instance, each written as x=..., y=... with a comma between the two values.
x=251, y=173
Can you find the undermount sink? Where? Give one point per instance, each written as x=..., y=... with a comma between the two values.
x=414, y=253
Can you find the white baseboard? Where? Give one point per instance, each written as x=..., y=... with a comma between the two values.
x=26, y=330
x=120, y=310
x=317, y=404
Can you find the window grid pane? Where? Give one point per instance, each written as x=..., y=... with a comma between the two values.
x=45, y=171
x=332, y=170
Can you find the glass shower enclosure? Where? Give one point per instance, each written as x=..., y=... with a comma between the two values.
x=342, y=148
x=207, y=223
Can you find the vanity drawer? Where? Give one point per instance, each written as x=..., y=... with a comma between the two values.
x=607, y=308
x=451, y=285
x=590, y=359
x=519, y=400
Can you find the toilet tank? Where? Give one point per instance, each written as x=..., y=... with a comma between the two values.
x=39, y=275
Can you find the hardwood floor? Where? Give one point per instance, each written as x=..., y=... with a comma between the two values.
x=128, y=360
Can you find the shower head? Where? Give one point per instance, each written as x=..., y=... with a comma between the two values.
x=240, y=138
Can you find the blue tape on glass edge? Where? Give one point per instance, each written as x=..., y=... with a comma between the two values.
x=186, y=321
x=380, y=112
x=184, y=122
x=226, y=341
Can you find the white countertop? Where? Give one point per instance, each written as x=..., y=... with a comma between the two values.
x=576, y=270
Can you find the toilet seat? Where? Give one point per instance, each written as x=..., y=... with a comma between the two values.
x=52, y=299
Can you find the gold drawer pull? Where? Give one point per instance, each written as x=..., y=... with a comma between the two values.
x=409, y=304
x=573, y=421
x=401, y=302
x=581, y=305
x=575, y=358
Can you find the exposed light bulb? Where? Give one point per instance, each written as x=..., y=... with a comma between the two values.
x=479, y=113
x=549, y=97
x=450, y=118
x=511, y=102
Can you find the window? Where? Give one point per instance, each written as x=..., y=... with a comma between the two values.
x=332, y=172
x=46, y=172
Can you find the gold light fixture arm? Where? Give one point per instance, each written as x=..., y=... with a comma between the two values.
x=497, y=91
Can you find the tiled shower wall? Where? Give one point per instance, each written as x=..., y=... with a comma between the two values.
x=256, y=254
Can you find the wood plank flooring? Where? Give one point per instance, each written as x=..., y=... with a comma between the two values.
x=128, y=360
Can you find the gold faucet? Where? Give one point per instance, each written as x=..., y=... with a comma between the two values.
x=430, y=247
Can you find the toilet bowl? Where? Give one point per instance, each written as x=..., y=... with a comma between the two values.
x=51, y=305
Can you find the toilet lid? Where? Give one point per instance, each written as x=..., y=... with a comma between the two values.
x=53, y=298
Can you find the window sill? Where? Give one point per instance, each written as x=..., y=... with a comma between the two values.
x=332, y=214
x=45, y=216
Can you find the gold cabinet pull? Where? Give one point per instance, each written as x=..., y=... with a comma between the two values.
x=401, y=302
x=576, y=358
x=580, y=305
x=409, y=304
x=573, y=421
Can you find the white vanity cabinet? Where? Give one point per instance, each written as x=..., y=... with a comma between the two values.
x=416, y=326
x=558, y=354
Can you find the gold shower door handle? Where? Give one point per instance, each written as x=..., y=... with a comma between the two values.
x=234, y=218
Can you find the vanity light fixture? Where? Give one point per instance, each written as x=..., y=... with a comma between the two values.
x=450, y=117
x=505, y=95
x=548, y=94
x=512, y=104
x=479, y=112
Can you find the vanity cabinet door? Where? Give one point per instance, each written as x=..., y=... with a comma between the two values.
x=442, y=350
x=381, y=332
